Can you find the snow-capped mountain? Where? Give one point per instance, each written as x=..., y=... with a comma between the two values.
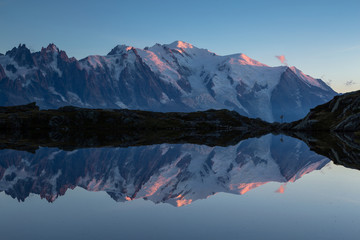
x=177, y=174
x=169, y=77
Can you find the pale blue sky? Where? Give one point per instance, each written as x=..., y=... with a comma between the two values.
x=322, y=38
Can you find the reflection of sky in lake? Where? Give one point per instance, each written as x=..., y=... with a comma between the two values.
x=323, y=204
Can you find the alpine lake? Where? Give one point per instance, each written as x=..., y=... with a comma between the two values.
x=270, y=187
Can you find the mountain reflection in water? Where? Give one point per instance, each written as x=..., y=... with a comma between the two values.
x=178, y=174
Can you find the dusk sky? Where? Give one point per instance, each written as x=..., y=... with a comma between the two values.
x=322, y=38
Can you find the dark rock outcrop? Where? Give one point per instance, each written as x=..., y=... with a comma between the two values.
x=341, y=114
x=27, y=127
x=19, y=109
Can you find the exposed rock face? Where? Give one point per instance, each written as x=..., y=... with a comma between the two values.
x=2, y=73
x=340, y=114
x=169, y=77
x=21, y=55
x=298, y=95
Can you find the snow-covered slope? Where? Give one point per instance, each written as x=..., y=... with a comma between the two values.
x=169, y=77
x=172, y=173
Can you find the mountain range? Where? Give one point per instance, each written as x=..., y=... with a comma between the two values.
x=169, y=77
x=178, y=174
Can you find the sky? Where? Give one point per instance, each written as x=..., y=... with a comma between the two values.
x=321, y=38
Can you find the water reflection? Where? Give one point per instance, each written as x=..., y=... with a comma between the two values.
x=178, y=174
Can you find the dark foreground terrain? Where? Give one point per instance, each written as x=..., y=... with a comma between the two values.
x=331, y=129
x=27, y=127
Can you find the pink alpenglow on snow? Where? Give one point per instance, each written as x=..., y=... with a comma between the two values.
x=180, y=44
x=242, y=59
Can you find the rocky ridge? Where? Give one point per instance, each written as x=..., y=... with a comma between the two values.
x=341, y=114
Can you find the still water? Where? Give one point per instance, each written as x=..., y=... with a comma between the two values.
x=273, y=187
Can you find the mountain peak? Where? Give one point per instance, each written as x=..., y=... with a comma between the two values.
x=20, y=48
x=308, y=79
x=245, y=60
x=120, y=49
x=179, y=44
x=21, y=55
x=168, y=77
x=52, y=48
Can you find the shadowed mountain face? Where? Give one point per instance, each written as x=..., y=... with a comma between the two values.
x=167, y=173
x=169, y=77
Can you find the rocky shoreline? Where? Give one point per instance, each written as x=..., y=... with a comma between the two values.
x=27, y=127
